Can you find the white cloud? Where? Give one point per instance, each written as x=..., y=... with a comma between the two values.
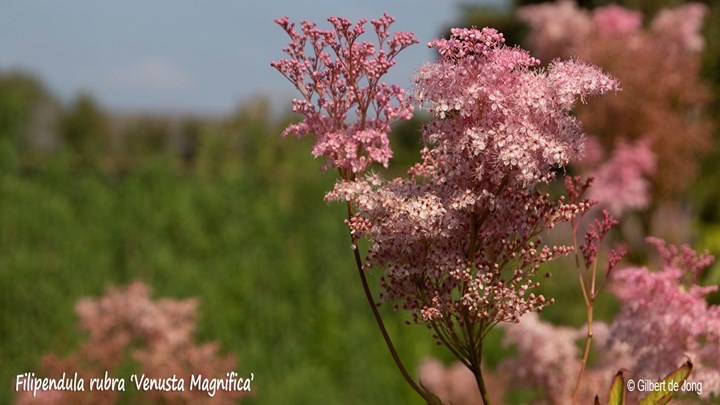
x=151, y=75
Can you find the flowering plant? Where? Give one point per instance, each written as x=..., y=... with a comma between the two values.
x=458, y=240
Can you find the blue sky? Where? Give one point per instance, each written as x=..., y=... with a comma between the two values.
x=182, y=55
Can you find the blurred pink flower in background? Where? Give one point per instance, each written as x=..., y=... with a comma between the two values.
x=547, y=356
x=454, y=384
x=683, y=24
x=126, y=324
x=666, y=318
x=621, y=183
x=613, y=19
x=550, y=24
x=659, y=68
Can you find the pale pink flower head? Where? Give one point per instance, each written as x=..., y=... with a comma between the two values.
x=127, y=324
x=547, y=356
x=555, y=26
x=683, y=24
x=616, y=20
x=622, y=183
x=338, y=76
x=684, y=258
x=666, y=318
x=671, y=89
x=495, y=116
x=454, y=384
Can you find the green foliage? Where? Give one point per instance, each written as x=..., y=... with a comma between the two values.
x=146, y=137
x=406, y=142
x=711, y=55
x=84, y=131
x=270, y=262
x=617, y=390
x=19, y=94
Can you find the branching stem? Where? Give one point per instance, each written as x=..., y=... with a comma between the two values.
x=430, y=399
x=477, y=371
x=589, y=295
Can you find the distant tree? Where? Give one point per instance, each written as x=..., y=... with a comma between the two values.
x=85, y=131
x=190, y=133
x=20, y=92
x=143, y=138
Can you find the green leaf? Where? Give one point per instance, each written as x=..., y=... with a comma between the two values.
x=671, y=384
x=617, y=390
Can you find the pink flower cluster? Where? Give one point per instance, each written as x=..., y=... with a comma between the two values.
x=672, y=92
x=548, y=358
x=615, y=20
x=433, y=245
x=596, y=233
x=504, y=118
x=666, y=316
x=683, y=25
x=552, y=22
x=337, y=74
x=665, y=319
x=453, y=385
x=127, y=323
x=458, y=239
x=621, y=183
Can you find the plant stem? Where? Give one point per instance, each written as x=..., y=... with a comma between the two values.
x=477, y=371
x=430, y=399
x=483, y=390
x=588, y=343
x=589, y=297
